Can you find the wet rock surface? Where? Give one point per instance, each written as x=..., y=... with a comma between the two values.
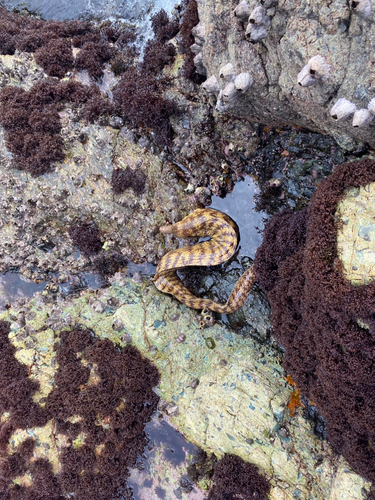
x=239, y=405
x=216, y=283
x=39, y=211
x=289, y=164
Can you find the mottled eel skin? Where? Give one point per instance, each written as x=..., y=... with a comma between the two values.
x=221, y=246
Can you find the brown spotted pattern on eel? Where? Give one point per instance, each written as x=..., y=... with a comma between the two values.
x=224, y=235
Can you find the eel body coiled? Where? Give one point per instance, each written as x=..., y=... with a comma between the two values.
x=224, y=236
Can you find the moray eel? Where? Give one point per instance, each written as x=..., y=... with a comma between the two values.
x=224, y=236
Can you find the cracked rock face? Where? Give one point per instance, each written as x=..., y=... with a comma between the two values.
x=293, y=34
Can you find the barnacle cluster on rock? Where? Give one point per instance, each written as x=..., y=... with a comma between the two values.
x=258, y=19
x=234, y=85
x=296, y=73
x=343, y=108
x=259, y=22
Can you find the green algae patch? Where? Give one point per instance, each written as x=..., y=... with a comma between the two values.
x=79, y=441
x=356, y=234
x=228, y=399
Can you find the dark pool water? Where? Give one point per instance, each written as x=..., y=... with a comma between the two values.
x=13, y=286
x=240, y=205
x=161, y=470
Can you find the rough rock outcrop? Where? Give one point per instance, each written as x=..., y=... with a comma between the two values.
x=302, y=56
x=224, y=392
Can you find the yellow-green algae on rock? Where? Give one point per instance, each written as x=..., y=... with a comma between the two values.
x=239, y=405
x=356, y=234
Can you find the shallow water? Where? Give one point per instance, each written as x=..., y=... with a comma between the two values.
x=240, y=205
x=134, y=12
x=13, y=286
x=161, y=470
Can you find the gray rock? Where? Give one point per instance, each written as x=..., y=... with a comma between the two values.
x=116, y=121
x=275, y=47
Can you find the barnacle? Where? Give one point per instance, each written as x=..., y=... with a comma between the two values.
x=342, y=109
x=362, y=117
x=242, y=11
x=243, y=82
x=227, y=73
x=211, y=85
x=362, y=8
x=316, y=70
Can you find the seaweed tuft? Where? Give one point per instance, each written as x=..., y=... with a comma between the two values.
x=164, y=28
x=109, y=264
x=158, y=55
x=138, y=97
x=55, y=57
x=234, y=478
x=32, y=123
x=87, y=238
x=52, y=43
x=315, y=313
x=123, y=179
